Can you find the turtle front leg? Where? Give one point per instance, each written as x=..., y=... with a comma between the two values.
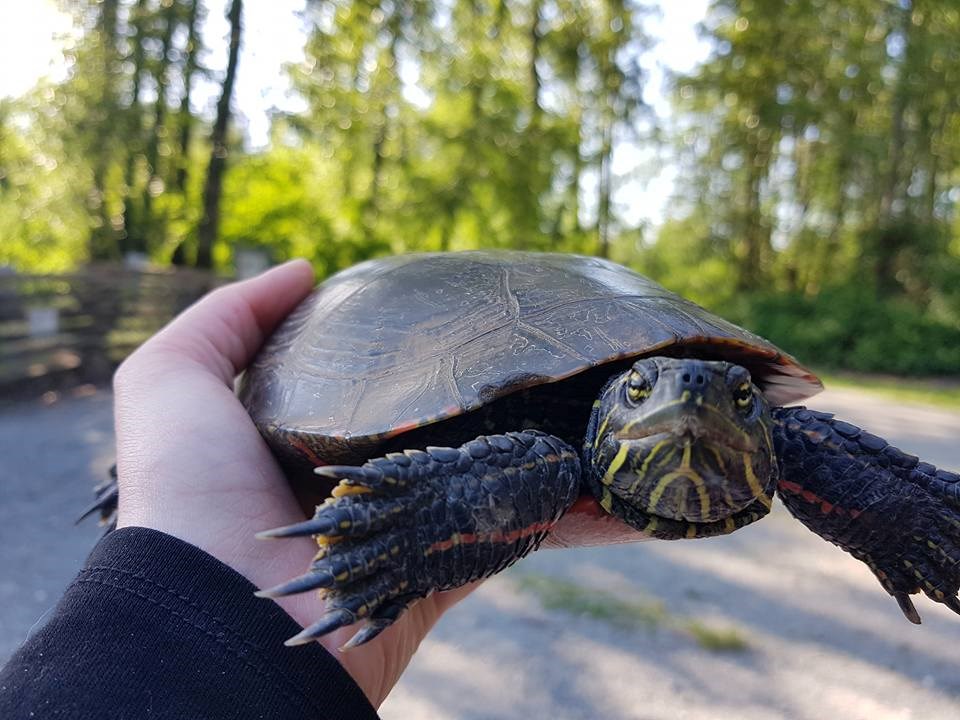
x=401, y=526
x=898, y=515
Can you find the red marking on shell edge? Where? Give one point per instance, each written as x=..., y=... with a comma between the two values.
x=447, y=412
x=306, y=451
x=497, y=536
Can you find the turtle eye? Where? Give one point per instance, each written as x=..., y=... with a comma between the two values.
x=743, y=397
x=638, y=388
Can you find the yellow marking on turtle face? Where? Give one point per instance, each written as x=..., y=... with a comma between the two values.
x=687, y=472
x=729, y=525
x=691, y=531
x=755, y=487
x=342, y=489
x=650, y=526
x=603, y=426
x=767, y=437
x=615, y=464
x=721, y=465
x=606, y=500
x=342, y=576
x=642, y=472
x=324, y=540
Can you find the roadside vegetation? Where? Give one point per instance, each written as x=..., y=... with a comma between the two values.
x=633, y=613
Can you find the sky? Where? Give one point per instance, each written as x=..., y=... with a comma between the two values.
x=32, y=32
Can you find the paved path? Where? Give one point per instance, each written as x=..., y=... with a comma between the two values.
x=823, y=640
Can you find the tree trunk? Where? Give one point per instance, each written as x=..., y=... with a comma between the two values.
x=185, y=118
x=132, y=238
x=155, y=182
x=369, y=213
x=212, y=190
x=577, y=149
x=605, y=190
x=897, y=131
x=536, y=36
x=102, y=243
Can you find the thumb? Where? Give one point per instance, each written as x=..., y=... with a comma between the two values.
x=224, y=329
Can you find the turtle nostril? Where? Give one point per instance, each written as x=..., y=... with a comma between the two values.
x=699, y=379
x=686, y=377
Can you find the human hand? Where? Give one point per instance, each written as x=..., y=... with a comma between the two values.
x=190, y=462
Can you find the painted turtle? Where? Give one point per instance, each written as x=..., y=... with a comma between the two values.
x=607, y=409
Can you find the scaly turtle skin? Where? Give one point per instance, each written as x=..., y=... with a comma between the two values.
x=606, y=407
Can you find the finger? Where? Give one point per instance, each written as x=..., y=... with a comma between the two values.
x=225, y=328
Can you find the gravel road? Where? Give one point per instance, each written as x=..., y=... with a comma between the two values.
x=822, y=639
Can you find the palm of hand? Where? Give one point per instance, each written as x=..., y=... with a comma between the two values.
x=192, y=464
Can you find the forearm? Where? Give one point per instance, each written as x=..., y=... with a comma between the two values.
x=152, y=624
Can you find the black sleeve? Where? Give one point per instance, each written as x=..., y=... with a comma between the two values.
x=154, y=627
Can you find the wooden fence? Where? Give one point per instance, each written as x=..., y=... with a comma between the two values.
x=63, y=331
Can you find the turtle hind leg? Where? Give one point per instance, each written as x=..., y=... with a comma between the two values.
x=400, y=527
x=898, y=515
x=105, y=505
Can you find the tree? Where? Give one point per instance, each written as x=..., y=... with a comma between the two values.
x=213, y=188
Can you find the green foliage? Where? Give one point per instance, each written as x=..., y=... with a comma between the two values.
x=43, y=218
x=819, y=149
x=942, y=391
x=848, y=327
x=288, y=203
x=494, y=155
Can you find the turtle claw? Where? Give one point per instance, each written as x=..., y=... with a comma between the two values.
x=366, y=634
x=318, y=525
x=105, y=504
x=906, y=605
x=333, y=620
x=108, y=495
x=308, y=581
x=363, y=475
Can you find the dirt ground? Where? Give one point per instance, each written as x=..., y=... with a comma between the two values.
x=817, y=636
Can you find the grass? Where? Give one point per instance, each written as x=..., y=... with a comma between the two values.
x=940, y=392
x=566, y=596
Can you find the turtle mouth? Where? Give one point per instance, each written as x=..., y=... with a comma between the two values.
x=676, y=478
x=706, y=424
x=665, y=528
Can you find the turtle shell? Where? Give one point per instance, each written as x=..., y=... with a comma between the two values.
x=391, y=345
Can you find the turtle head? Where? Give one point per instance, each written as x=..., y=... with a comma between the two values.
x=682, y=448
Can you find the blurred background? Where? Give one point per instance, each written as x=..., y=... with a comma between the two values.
x=793, y=165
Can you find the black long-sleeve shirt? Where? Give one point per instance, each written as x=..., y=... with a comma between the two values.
x=153, y=627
